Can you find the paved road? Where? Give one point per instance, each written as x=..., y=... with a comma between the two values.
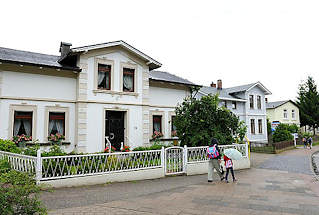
x=282, y=187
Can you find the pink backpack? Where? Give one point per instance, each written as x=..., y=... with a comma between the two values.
x=212, y=152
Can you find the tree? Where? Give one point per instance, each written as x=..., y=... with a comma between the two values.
x=308, y=102
x=199, y=120
x=282, y=133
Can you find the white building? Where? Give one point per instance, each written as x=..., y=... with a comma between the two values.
x=248, y=103
x=88, y=93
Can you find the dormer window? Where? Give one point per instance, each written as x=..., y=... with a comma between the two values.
x=104, y=77
x=128, y=79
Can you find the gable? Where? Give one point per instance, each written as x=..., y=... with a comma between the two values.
x=152, y=64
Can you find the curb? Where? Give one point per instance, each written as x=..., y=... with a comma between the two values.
x=315, y=168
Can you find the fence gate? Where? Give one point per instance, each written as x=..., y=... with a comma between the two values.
x=174, y=160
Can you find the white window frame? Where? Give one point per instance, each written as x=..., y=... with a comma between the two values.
x=129, y=66
x=253, y=126
x=96, y=73
x=285, y=114
x=57, y=109
x=23, y=108
x=261, y=126
x=234, y=105
x=157, y=113
x=259, y=102
x=253, y=102
x=293, y=114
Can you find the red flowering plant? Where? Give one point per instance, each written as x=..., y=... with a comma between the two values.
x=56, y=138
x=125, y=149
x=157, y=135
x=107, y=149
x=21, y=140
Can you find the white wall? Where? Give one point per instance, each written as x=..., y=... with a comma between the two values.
x=118, y=58
x=167, y=96
x=18, y=84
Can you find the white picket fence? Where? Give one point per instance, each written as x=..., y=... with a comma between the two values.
x=172, y=160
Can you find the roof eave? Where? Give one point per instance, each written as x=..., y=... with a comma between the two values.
x=174, y=82
x=41, y=65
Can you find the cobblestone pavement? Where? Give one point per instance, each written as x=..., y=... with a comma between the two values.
x=285, y=188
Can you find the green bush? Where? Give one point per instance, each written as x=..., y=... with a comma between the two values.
x=293, y=128
x=9, y=146
x=18, y=192
x=282, y=133
x=147, y=148
x=55, y=150
x=4, y=166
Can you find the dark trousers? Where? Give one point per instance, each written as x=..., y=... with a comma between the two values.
x=232, y=173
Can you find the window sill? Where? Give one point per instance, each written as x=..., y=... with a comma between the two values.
x=47, y=144
x=115, y=92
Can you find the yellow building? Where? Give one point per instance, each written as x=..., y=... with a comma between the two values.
x=283, y=112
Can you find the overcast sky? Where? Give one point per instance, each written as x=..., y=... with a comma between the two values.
x=275, y=42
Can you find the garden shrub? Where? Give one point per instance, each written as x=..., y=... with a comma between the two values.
x=9, y=146
x=197, y=121
x=282, y=133
x=18, y=192
x=4, y=166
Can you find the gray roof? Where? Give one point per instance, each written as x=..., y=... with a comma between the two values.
x=270, y=105
x=31, y=58
x=240, y=88
x=223, y=93
x=168, y=77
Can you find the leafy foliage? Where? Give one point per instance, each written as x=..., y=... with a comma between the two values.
x=9, y=146
x=199, y=120
x=308, y=102
x=282, y=133
x=18, y=192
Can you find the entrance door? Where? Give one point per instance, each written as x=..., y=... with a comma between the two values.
x=114, y=128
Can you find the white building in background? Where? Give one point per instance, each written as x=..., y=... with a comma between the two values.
x=248, y=103
x=87, y=93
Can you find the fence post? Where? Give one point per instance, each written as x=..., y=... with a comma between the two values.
x=185, y=158
x=247, y=150
x=163, y=162
x=38, y=171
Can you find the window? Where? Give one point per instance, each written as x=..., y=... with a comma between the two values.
x=234, y=105
x=128, y=80
x=225, y=104
x=173, y=127
x=252, y=126
x=260, y=126
x=259, y=102
x=157, y=123
x=293, y=114
x=285, y=114
x=104, y=77
x=22, y=123
x=56, y=123
x=251, y=101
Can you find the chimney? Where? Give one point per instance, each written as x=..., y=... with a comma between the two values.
x=219, y=84
x=213, y=84
x=266, y=99
x=65, y=49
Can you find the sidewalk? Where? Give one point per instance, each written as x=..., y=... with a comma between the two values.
x=259, y=190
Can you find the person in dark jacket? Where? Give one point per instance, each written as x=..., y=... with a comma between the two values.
x=214, y=161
